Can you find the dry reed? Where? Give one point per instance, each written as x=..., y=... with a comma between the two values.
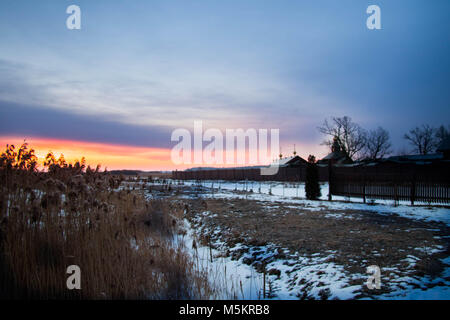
x=73, y=215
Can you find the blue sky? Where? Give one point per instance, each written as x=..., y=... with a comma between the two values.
x=138, y=69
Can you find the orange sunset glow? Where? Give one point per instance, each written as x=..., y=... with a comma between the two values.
x=107, y=155
x=116, y=156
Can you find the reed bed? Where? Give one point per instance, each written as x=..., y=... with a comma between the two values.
x=71, y=214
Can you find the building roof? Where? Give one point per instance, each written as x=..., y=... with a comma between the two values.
x=221, y=168
x=337, y=154
x=288, y=161
x=417, y=158
x=337, y=157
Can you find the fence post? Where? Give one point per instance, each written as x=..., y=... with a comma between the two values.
x=413, y=190
x=395, y=193
x=364, y=189
x=330, y=179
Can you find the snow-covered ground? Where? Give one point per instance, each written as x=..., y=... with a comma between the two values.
x=296, y=276
x=231, y=279
x=301, y=277
x=236, y=280
x=295, y=194
x=409, y=288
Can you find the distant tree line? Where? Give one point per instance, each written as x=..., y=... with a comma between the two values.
x=24, y=159
x=426, y=139
x=358, y=143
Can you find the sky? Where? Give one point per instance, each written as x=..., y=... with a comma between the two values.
x=115, y=90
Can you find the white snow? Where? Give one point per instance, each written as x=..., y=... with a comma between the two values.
x=295, y=194
x=237, y=280
x=315, y=274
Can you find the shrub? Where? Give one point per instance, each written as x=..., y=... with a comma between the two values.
x=312, y=187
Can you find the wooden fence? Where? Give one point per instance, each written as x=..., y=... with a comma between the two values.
x=427, y=183
x=398, y=182
x=253, y=174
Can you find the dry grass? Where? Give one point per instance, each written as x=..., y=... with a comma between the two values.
x=384, y=240
x=121, y=242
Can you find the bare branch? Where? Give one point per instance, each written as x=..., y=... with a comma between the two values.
x=350, y=135
x=423, y=139
x=378, y=144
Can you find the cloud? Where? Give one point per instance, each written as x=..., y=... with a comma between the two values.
x=221, y=98
x=25, y=120
x=232, y=64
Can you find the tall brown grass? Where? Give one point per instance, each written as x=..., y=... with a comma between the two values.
x=73, y=215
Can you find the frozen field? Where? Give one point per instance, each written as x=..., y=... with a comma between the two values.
x=295, y=194
x=237, y=263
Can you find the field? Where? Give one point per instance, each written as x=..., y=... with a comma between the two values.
x=136, y=237
x=287, y=247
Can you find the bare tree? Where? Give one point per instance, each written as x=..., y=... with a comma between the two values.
x=423, y=139
x=378, y=144
x=350, y=135
x=442, y=133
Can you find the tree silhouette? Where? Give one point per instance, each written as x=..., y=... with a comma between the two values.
x=312, y=187
x=350, y=136
x=423, y=139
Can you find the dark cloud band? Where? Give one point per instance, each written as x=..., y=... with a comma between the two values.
x=26, y=120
